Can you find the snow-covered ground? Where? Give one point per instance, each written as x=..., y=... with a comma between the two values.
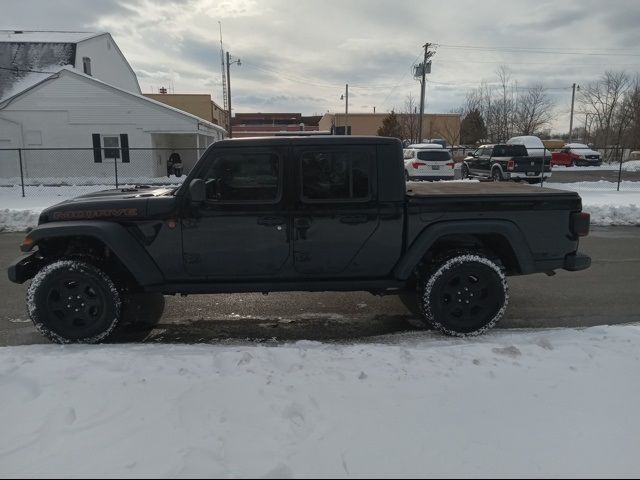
x=542, y=403
x=629, y=166
x=606, y=205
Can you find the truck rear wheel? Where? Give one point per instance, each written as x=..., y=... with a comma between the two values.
x=463, y=294
x=72, y=301
x=496, y=175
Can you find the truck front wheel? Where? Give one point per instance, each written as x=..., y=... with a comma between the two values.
x=72, y=301
x=463, y=294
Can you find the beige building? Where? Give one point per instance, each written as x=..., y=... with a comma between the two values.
x=434, y=125
x=198, y=104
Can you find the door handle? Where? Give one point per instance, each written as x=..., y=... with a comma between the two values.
x=271, y=221
x=354, y=219
x=302, y=225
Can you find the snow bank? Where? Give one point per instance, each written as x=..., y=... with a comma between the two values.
x=605, y=204
x=512, y=403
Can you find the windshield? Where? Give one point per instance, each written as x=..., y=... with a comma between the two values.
x=434, y=156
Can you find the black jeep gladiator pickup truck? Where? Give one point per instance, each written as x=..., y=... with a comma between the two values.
x=297, y=214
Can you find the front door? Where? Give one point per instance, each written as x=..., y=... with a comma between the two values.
x=242, y=229
x=336, y=211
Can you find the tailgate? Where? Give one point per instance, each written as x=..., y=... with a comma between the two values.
x=531, y=164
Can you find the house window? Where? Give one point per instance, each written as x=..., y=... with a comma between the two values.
x=111, y=145
x=86, y=65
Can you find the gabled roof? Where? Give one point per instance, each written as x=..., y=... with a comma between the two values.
x=69, y=70
x=34, y=36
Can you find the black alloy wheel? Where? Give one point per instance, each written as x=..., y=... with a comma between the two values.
x=465, y=294
x=71, y=301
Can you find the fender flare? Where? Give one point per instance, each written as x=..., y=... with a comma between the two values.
x=124, y=246
x=499, y=167
x=432, y=233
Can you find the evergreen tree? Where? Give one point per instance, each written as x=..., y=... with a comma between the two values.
x=472, y=128
x=391, y=127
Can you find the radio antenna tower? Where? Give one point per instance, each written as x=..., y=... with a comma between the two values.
x=224, y=77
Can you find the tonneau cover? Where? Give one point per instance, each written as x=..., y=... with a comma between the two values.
x=431, y=189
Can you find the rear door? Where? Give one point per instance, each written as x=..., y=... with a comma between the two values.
x=336, y=211
x=481, y=163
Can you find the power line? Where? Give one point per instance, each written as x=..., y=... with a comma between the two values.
x=538, y=50
x=402, y=79
x=315, y=83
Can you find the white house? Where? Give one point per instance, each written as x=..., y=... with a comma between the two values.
x=68, y=90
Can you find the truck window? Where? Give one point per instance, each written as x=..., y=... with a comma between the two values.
x=244, y=177
x=336, y=175
x=434, y=156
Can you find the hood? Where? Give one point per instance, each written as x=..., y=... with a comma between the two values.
x=585, y=151
x=123, y=203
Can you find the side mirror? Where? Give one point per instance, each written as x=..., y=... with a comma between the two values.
x=197, y=191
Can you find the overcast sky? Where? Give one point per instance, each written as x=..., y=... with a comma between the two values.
x=297, y=55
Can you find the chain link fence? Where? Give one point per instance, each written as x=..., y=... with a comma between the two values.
x=34, y=170
x=65, y=173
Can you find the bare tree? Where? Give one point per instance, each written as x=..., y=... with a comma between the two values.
x=632, y=101
x=533, y=112
x=603, y=100
x=408, y=119
x=505, y=105
x=449, y=128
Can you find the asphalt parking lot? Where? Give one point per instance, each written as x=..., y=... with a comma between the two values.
x=607, y=293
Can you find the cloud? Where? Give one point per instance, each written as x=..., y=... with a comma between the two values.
x=298, y=55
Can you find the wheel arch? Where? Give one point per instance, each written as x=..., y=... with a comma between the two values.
x=113, y=237
x=500, y=238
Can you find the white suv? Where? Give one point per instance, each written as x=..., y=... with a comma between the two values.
x=428, y=161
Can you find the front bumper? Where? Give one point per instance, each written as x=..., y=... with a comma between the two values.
x=24, y=267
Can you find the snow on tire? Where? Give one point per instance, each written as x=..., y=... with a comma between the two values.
x=72, y=301
x=464, y=294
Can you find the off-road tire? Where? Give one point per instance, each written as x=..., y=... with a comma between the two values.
x=462, y=294
x=73, y=301
x=464, y=171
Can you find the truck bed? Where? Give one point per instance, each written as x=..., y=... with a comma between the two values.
x=456, y=189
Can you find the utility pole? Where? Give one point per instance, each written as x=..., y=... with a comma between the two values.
x=224, y=80
x=229, y=61
x=423, y=80
x=346, y=111
x=345, y=97
x=573, y=97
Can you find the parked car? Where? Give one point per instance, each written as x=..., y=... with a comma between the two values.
x=428, y=161
x=576, y=154
x=505, y=162
x=318, y=213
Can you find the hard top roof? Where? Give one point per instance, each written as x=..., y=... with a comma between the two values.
x=310, y=140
